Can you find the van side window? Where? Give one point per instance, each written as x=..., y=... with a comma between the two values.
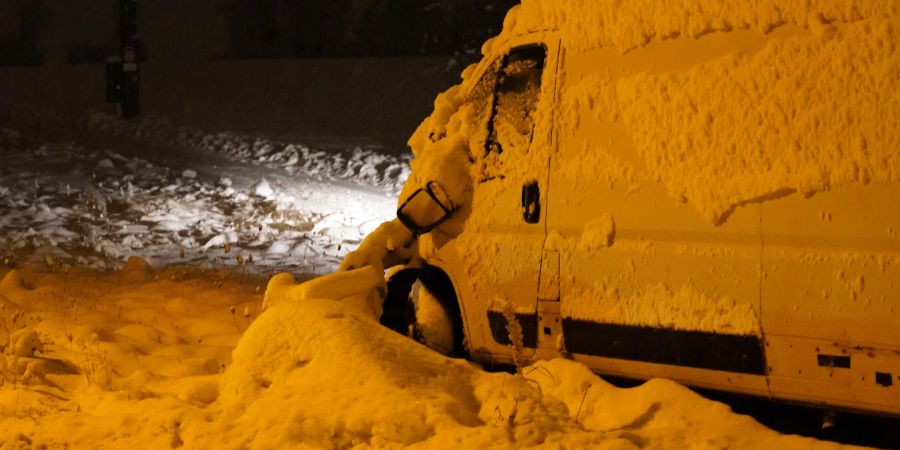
x=518, y=90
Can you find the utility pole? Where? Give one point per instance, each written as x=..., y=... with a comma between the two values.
x=123, y=75
x=129, y=46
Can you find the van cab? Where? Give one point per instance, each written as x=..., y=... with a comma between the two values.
x=675, y=210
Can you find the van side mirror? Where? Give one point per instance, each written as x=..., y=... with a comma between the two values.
x=426, y=208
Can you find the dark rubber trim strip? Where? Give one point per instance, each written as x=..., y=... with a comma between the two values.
x=700, y=349
x=528, y=322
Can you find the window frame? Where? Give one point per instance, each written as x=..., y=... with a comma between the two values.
x=489, y=139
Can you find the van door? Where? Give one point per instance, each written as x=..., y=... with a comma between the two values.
x=499, y=251
x=649, y=286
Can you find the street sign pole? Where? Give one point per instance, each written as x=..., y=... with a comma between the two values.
x=130, y=48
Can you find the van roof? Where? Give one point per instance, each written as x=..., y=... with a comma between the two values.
x=625, y=25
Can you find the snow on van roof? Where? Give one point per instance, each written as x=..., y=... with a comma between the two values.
x=625, y=25
x=814, y=106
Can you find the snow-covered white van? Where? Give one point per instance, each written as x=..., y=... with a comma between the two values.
x=710, y=196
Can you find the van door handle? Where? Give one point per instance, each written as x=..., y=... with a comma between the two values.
x=531, y=202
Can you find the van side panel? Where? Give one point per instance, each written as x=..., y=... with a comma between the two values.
x=649, y=287
x=831, y=296
x=812, y=277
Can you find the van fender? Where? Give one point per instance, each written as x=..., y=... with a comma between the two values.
x=399, y=311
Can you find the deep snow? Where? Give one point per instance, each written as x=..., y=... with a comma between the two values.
x=181, y=357
x=104, y=189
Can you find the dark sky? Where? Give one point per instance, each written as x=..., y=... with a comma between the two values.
x=53, y=32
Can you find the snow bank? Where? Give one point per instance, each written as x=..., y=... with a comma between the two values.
x=363, y=288
x=114, y=360
x=319, y=372
x=362, y=163
x=323, y=374
x=180, y=359
x=91, y=206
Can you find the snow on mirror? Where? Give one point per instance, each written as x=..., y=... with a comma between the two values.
x=426, y=208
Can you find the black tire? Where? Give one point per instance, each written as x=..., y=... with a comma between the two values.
x=399, y=312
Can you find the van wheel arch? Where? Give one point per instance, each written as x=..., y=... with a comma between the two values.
x=399, y=313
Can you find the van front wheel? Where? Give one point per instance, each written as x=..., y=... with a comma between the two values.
x=421, y=304
x=433, y=326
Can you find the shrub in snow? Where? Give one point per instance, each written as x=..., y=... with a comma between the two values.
x=24, y=342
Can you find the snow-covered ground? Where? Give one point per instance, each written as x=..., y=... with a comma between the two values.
x=181, y=357
x=102, y=189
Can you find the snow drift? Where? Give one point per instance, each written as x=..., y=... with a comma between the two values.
x=136, y=360
x=324, y=373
